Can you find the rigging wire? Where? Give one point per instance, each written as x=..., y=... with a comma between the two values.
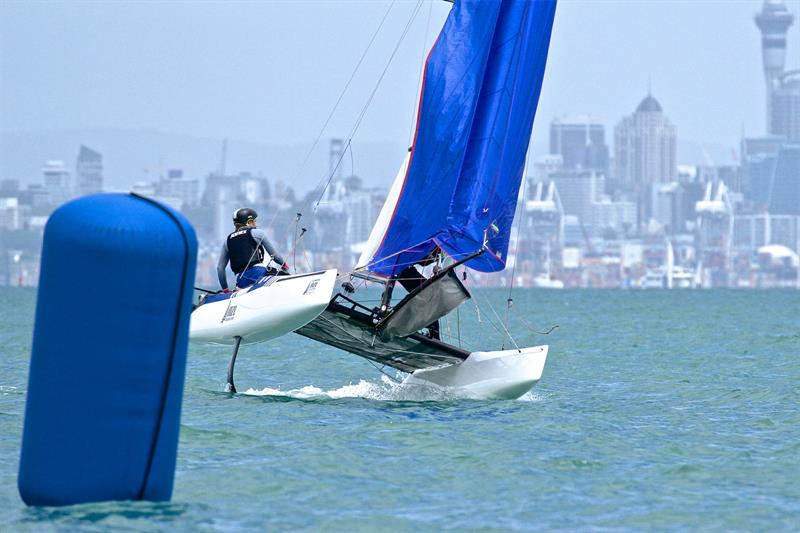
x=352, y=162
x=294, y=244
x=341, y=96
x=521, y=208
x=458, y=323
x=301, y=242
x=380, y=369
x=505, y=332
x=367, y=104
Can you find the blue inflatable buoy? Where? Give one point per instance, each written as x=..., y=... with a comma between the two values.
x=109, y=352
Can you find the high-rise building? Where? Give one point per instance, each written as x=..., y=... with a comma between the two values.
x=56, y=182
x=669, y=207
x=580, y=141
x=759, y=156
x=577, y=191
x=645, y=149
x=784, y=190
x=785, y=109
x=773, y=21
x=89, y=171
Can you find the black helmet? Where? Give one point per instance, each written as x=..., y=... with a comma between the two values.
x=243, y=215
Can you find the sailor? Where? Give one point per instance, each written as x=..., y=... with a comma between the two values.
x=246, y=248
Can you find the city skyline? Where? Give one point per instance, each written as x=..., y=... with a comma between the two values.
x=604, y=79
x=596, y=214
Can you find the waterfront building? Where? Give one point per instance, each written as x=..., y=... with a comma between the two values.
x=541, y=232
x=89, y=171
x=752, y=231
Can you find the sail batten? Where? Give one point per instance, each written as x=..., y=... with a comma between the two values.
x=480, y=90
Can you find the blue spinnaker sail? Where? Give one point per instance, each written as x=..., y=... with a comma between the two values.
x=480, y=90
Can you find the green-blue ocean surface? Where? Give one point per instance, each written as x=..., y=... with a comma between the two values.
x=657, y=411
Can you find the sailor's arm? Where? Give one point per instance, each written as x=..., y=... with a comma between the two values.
x=261, y=238
x=221, y=264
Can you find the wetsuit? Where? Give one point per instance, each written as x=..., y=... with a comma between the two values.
x=246, y=248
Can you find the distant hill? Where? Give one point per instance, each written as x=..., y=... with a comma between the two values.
x=131, y=155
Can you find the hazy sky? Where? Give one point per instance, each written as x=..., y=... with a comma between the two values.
x=270, y=72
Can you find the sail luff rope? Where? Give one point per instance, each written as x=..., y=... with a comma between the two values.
x=418, y=92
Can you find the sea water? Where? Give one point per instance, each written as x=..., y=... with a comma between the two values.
x=657, y=411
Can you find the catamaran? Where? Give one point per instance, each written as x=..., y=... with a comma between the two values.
x=452, y=203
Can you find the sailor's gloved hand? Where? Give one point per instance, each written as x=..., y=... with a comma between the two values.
x=226, y=291
x=285, y=267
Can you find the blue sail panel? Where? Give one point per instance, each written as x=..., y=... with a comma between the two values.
x=451, y=88
x=481, y=86
x=482, y=208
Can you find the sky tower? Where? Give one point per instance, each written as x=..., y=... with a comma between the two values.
x=773, y=22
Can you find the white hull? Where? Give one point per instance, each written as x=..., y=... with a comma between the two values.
x=281, y=306
x=506, y=374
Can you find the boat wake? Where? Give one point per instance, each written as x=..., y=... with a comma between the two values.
x=386, y=390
